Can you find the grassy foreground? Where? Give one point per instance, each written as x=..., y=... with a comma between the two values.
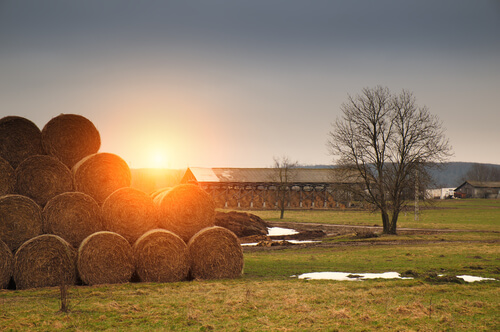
x=267, y=298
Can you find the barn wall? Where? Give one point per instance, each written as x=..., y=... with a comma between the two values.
x=265, y=196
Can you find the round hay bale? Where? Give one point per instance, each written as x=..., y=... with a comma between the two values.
x=130, y=213
x=7, y=178
x=72, y=216
x=42, y=177
x=70, y=138
x=19, y=139
x=105, y=258
x=20, y=220
x=161, y=256
x=185, y=210
x=44, y=261
x=100, y=174
x=215, y=253
x=158, y=192
x=6, y=265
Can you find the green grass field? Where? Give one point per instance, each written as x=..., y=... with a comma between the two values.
x=268, y=298
x=473, y=214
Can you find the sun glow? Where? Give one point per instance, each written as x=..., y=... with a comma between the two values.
x=159, y=159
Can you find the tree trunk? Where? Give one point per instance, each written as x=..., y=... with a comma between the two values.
x=282, y=212
x=394, y=222
x=386, y=222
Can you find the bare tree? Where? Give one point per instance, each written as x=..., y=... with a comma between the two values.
x=386, y=139
x=283, y=178
x=483, y=173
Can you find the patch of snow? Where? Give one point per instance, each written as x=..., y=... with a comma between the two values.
x=303, y=241
x=341, y=276
x=473, y=279
x=249, y=244
x=279, y=231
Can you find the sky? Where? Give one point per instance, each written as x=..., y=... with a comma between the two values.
x=231, y=83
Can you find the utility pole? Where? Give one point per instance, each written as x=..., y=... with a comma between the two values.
x=416, y=195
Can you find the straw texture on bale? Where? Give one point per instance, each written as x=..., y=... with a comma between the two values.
x=105, y=258
x=100, y=174
x=72, y=216
x=19, y=139
x=70, y=138
x=43, y=177
x=158, y=192
x=44, y=261
x=215, y=253
x=185, y=210
x=7, y=178
x=6, y=265
x=20, y=220
x=161, y=256
x=130, y=213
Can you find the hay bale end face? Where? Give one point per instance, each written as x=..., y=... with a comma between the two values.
x=185, y=210
x=130, y=213
x=105, y=258
x=6, y=265
x=19, y=139
x=161, y=256
x=100, y=174
x=70, y=138
x=72, y=216
x=7, y=178
x=20, y=220
x=44, y=261
x=215, y=253
x=42, y=177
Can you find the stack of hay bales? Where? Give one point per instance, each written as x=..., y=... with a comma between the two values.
x=6, y=265
x=68, y=214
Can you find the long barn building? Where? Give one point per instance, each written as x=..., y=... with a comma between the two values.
x=258, y=188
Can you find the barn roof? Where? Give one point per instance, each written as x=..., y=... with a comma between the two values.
x=259, y=175
x=479, y=184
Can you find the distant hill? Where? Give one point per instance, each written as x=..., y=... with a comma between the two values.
x=449, y=175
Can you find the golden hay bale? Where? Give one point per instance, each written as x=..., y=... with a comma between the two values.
x=7, y=178
x=130, y=213
x=100, y=174
x=73, y=216
x=44, y=261
x=215, y=253
x=161, y=256
x=6, y=265
x=70, y=138
x=42, y=177
x=19, y=139
x=20, y=220
x=185, y=209
x=158, y=192
x=105, y=258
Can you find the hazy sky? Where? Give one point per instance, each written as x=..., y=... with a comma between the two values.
x=231, y=83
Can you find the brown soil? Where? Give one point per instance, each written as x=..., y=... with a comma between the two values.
x=315, y=231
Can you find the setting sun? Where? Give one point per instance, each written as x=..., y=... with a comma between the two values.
x=159, y=160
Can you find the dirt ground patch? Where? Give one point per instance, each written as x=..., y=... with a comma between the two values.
x=317, y=232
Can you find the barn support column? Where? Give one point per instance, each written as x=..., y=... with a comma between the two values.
x=239, y=196
x=226, y=196
x=301, y=190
